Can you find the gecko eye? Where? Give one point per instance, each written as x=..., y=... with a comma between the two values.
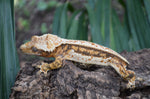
x=34, y=49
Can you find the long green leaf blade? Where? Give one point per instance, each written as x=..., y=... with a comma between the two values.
x=120, y=34
x=56, y=22
x=130, y=16
x=83, y=27
x=63, y=22
x=147, y=7
x=99, y=12
x=73, y=30
x=138, y=24
x=94, y=25
x=8, y=58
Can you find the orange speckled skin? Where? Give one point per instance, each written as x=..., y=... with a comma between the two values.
x=50, y=45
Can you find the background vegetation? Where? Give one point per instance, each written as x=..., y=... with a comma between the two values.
x=118, y=24
x=8, y=57
x=104, y=25
x=94, y=20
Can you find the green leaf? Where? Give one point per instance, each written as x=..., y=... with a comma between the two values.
x=82, y=27
x=91, y=3
x=104, y=25
x=121, y=36
x=131, y=21
x=63, y=22
x=105, y=19
x=138, y=24
x=56, y=22
x=72, y=19
x=99, y=12
x=94, y=25
x=147, y=8
x=73, y=30
x=8, y=57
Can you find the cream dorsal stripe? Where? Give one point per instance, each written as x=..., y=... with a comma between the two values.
x=93, y=45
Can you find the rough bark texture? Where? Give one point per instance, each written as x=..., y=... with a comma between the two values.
x=74, y=82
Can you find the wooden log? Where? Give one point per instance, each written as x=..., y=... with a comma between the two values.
x=74, y=82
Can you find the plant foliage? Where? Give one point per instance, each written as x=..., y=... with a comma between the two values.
x=8, y=58
x=71, y=27
x=99, y=20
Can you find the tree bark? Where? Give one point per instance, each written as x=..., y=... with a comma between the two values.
x=74, y=82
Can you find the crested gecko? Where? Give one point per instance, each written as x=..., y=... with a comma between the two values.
x=49, y=45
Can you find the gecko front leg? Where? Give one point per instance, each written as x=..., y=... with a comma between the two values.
x=44, y=67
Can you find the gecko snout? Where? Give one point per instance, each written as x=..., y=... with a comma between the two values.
x=22, y=47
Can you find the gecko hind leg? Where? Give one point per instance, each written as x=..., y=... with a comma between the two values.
x=44, y=67
x=126, y=74
x=131, y=79
x=129, y=76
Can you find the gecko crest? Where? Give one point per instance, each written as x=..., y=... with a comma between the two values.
x=46, y=43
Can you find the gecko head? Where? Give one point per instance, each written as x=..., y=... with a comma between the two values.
x=40, y=44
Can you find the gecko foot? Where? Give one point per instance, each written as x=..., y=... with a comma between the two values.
x=44, y=67
x=131, y=85
x=131, y=79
